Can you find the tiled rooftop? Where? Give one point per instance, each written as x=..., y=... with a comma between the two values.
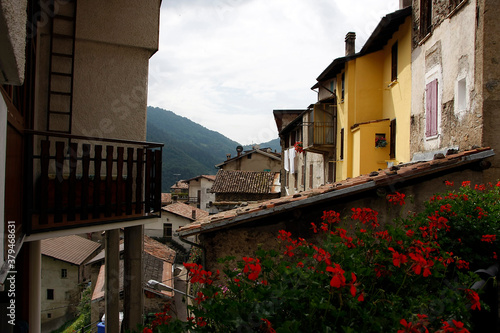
x=396, y=174
x=73, y=249
x=236, y=181
x=185, y=210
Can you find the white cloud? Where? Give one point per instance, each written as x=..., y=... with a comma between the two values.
x=226, y=64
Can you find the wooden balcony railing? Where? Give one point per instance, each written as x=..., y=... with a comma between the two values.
x=319, y=135
x=78, y=182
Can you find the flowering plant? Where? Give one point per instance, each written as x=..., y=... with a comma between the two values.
x=299, y=148
x=357, y=273
x=380, y=142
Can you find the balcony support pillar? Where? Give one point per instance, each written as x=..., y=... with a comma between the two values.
x=132, y=279
x=112, y=275
x=35, y=286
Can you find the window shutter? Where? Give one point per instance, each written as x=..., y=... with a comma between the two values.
x=431, y=108
x=392, y=152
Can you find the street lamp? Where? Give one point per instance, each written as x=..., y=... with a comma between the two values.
x=161, y=286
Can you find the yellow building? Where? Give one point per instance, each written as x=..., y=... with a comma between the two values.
x=362, y=118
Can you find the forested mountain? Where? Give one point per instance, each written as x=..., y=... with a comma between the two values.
x=190, y=149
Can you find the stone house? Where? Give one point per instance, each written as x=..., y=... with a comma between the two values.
x=200, y=194
x=233, y=188
x=64, y=276
x=173, y=217
x=255, y=159
x=455, y=75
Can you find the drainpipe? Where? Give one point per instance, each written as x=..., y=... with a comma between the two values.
x=203, y=249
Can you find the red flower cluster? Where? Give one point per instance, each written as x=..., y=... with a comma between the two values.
x=488, y=238
x=330, y=217
x=396, y=198
x=267, y=327
x=418, y=327
x=299, y=148
x=473, y=297
x=252, y=268
x=365, y=215
x=458, y=327
x=198, y=274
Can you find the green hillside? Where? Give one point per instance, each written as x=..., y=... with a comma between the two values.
x=190, y=149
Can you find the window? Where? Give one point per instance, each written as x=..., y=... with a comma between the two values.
x=342, y=144
x=50, y=293
x=461, y=95
x=343, y=87
x=331, y=170
x=431, y=108
x=311, y=178
x=64, y=273
x=394, y=62
x=425, y=17
x=167, y=230
x=49, y=315
x=392, y=147
x=249, y=156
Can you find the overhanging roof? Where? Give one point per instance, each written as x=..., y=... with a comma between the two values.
x=401, y=174
x=387, y=26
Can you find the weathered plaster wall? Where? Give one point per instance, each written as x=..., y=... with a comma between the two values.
x=66, y=292
x=448, y=55
x=257, y=162
x=243, y=240
x=12, y=41
x=488, y=74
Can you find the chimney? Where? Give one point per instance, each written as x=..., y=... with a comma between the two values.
x=404, y=3
x=350, y=43
x=193, y=214
x=228, y=156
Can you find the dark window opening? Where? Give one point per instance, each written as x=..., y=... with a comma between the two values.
x=64, y=273
x=343, y=87
x=342, y=144
x=425, y=17
x=167, y=230
x=392, y=151
x=394, y=62
x=50, y=293
x=311, y=178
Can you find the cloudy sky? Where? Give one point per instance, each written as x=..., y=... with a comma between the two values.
x=227, y=64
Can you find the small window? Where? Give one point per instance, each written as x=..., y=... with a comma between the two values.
x=392, y=151
x=425, y=17
x=167, y=230
x=342, y=144
x=49, y=315
x=343, y=87
x=394, y=62
x=249, y=156
x=461, y=95
x=50, y=294
x=311, y=173
x=64, y=273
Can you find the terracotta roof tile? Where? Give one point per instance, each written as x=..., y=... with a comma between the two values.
x=396, y=174
x=185, y=210
x=73, y=249
x=236, y=181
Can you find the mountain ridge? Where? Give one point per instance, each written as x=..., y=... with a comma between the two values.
x=190, y=149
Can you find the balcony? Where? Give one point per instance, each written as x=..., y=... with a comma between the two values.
x=74, y=185
x=319, y=137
